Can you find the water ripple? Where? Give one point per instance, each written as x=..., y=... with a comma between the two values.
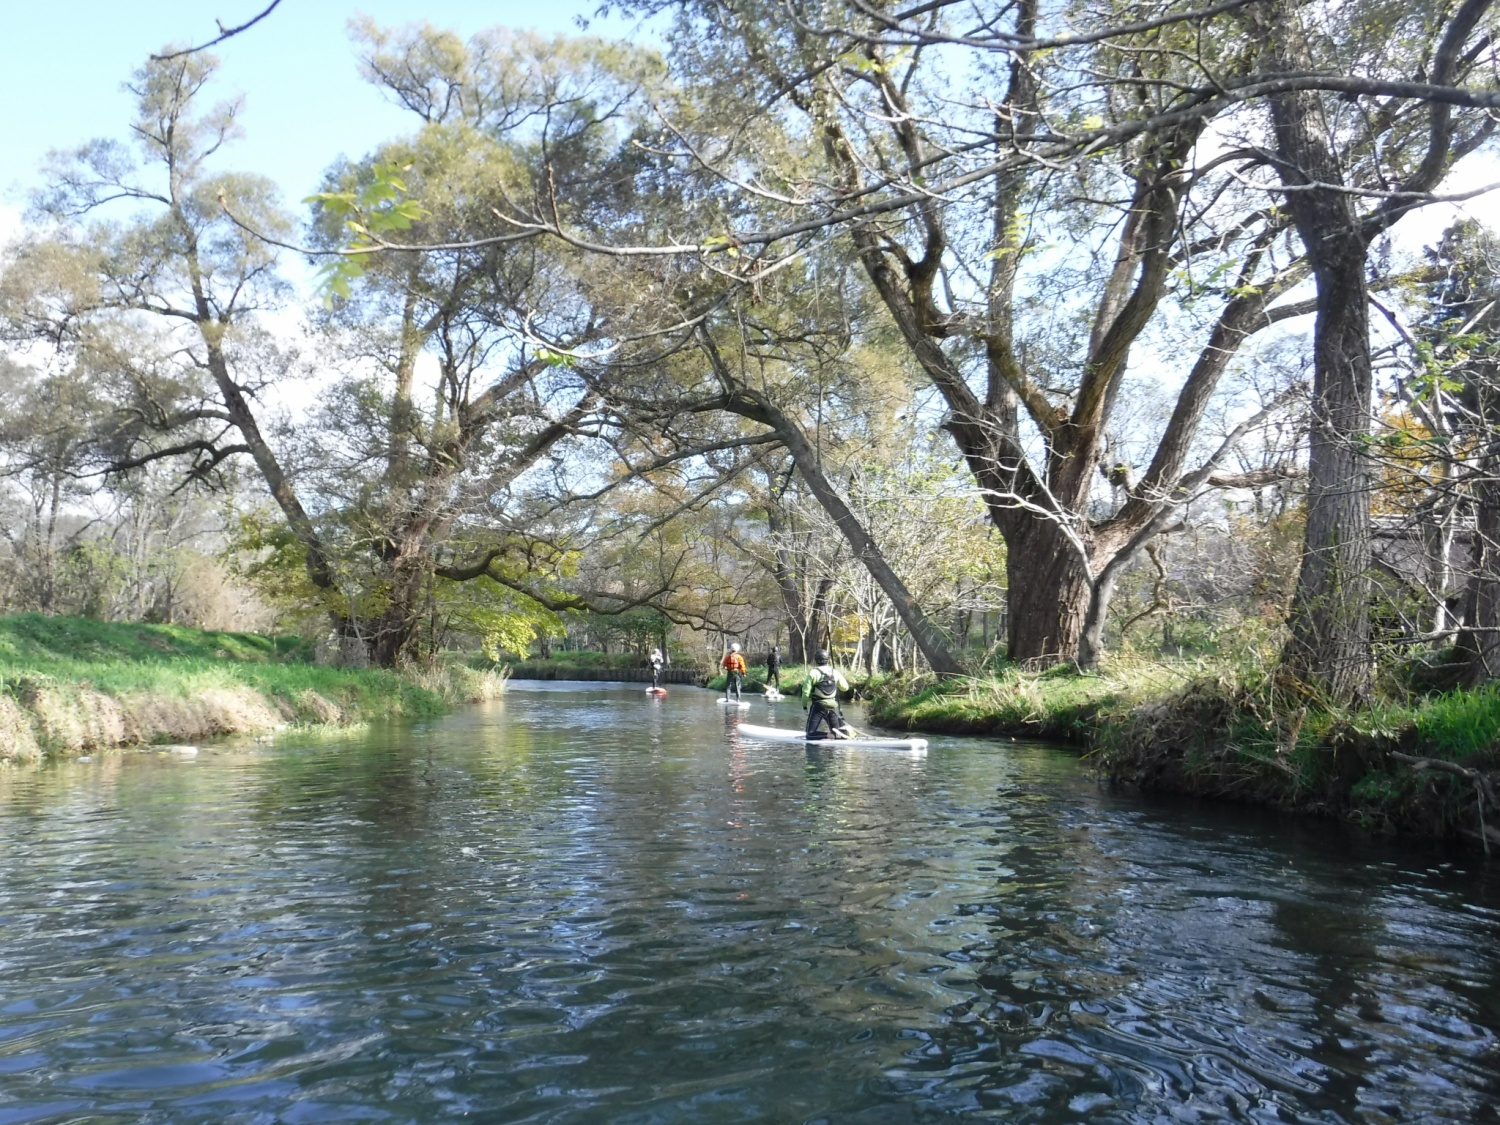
x=578, y=906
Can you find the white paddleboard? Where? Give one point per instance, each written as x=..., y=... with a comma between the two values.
x=772, y=695
x=788, y=734
x=734, y=703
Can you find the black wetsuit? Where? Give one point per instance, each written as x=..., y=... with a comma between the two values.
x=823, y=706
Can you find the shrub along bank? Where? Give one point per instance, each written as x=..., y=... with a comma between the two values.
x=1428, y=765
x=74, y=684
x=583, y=665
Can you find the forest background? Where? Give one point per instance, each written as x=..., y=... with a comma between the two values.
x=1152, y=341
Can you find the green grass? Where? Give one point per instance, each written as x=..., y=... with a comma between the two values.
x=1058, y=703
x=178, y=683
x=1459, y=724
x=586, y=661
x=1230, y=730
x=118, y=659
x=31, y=640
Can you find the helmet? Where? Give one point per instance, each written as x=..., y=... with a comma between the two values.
x=734, y=647
x=821, y=656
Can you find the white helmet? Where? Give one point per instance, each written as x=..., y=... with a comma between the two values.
x=735, y=647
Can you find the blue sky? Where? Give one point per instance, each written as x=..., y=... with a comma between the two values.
x=305, y=104
x=304, y=101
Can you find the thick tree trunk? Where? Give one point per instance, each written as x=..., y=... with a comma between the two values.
x=1047, y=597
x=819, y=634
x=1329, y=646
x=1330, y=623
x=396, y=627
x=796, y=644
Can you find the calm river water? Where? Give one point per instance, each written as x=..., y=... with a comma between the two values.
x=582, y=905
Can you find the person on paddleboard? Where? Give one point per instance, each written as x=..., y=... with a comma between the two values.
x=657, y=660
x=773, y=667
x=820, y=699
x=734, y=664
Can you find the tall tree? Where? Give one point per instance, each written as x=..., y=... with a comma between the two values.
x=1330, y=154
x=1455, y=390
x=955, y=217
x=172, y=244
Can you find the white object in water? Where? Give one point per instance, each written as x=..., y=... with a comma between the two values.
x=734, y=703
x=788, y=734
x=772, y=695
x=182, y=751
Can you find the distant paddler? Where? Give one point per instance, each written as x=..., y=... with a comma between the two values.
x=820, y=699
x=734, y=664
x=657, y=660
x=773, y=668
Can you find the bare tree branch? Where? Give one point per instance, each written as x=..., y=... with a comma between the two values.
x=224, y=33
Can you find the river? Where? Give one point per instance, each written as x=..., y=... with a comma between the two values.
x=578, y=904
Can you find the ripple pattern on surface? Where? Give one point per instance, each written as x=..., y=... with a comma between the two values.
x=586, y=905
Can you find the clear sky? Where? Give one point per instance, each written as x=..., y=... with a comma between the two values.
x=304, y=101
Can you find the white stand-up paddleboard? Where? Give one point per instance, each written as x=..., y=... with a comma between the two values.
x=772, y=695
x=787, y=734
x=734, y=703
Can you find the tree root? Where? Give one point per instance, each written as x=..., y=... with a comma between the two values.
x=1484, y=790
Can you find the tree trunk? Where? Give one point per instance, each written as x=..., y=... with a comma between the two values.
x=750, y=404
x=397, y=624
x=1329, y=646
x=926, y=635
x=785, y=571
x=1047, y=597
x=1437, y=539
x=1481, y=642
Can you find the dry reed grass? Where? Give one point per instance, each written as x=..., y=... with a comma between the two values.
x=17, y=740
x=45, y=715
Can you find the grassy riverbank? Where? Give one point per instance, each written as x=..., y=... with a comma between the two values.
x=573, y=665
x=69, y=685
x=1424, y=765
x=583, y=662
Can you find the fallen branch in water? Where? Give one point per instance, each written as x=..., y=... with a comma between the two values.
x=1483, y=789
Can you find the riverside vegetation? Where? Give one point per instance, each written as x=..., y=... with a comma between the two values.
x=769, y=331
x=1415, y=762
x=71, y=685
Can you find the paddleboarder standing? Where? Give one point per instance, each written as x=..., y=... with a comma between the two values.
x=734, y=665
x=657, y=660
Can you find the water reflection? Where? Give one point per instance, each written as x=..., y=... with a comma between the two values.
x=589, y=905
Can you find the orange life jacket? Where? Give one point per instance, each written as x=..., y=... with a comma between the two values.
x=734, y=662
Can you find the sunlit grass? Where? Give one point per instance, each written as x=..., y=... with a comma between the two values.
x=1230, y=729
x=85, y=683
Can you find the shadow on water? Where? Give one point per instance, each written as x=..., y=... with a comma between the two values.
x=580, y=904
